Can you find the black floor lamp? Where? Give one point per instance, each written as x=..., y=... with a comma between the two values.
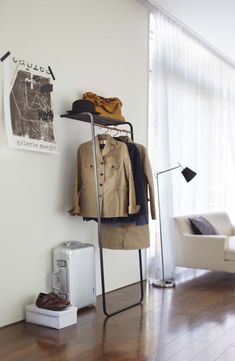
x=188, y=174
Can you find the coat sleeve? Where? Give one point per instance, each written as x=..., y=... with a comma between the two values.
x=132, y=206
x=75, y=210
x=149, y=175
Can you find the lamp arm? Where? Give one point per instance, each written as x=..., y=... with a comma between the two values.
x=167, y=170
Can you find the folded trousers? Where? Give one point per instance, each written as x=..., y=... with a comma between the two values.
x=125, y=237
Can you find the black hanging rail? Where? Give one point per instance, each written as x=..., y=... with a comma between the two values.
x=97, y=120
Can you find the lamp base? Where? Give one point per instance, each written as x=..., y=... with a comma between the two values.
x=164, y=284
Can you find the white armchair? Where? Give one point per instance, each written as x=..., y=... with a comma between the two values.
x=207, y=252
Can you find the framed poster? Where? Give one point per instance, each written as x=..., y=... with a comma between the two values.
x=28, y=110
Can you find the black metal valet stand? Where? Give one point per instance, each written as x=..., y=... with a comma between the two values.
x=96, y=120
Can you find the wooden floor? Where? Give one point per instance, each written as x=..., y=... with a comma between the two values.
x=194, y=321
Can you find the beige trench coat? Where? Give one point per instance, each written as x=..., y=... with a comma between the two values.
x=116, y=185
x=149, y=177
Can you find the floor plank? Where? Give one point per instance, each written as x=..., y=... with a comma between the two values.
x=194, y=321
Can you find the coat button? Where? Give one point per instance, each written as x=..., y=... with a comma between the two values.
x=91, y=165
x=101, y=173
x=101, y=162
x=101, y=184
x=113, y=166
x=100, y=195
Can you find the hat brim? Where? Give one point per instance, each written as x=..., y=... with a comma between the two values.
x=74, y=112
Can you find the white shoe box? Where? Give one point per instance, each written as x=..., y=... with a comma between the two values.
x=54, y=319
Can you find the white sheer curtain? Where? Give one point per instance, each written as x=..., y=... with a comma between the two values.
x=191, y=121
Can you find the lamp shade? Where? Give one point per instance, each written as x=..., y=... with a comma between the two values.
x=188, y=174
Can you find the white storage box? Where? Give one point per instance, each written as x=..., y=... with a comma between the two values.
x=54, y=319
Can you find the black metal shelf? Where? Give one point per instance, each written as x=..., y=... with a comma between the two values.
x=84, y=117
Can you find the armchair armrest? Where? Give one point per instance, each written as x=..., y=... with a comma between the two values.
x=233, y=230
x=200, y=251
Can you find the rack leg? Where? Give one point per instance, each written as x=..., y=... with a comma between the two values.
x=100, y=235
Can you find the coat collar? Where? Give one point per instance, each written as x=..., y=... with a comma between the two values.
x=109, y=146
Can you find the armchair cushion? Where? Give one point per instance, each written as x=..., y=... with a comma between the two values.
x=200, y=225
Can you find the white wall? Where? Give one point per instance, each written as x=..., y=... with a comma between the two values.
x=98, y=46
x=213, y=20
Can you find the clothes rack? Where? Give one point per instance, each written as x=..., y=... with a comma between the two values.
x=111, y=128
x=97, y=120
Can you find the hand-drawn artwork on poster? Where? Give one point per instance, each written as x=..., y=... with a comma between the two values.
x=27, y=105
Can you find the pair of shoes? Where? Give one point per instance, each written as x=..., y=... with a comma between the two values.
x=51, y=301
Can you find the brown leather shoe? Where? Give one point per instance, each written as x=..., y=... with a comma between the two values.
x=51, y=301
